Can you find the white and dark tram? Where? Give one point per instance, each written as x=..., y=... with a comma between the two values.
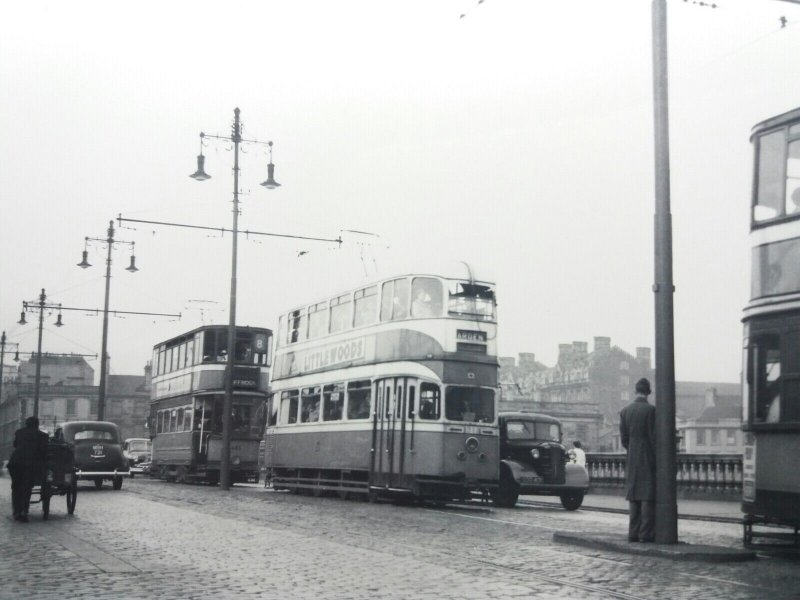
x=388, y=389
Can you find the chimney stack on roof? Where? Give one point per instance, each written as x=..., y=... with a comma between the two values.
x=602, y=343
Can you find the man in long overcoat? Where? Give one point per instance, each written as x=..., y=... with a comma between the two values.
x=26, y=466
x=637, y=430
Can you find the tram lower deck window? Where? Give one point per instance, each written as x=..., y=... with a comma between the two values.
x=358, y=399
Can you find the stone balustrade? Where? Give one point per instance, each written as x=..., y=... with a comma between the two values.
x=710, y=476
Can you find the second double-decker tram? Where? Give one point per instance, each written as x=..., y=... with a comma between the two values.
x=388, y=389
x=187, y=399
x=771, y=373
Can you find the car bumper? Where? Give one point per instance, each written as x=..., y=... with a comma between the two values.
x=92, y=474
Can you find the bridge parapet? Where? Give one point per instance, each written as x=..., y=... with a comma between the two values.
x=701, y=476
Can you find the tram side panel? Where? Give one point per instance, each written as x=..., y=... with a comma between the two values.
x=777, y=487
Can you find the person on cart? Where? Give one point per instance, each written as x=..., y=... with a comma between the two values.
x=26, y=465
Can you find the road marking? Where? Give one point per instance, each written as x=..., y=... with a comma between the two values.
x=100, y=558
x=503, y=521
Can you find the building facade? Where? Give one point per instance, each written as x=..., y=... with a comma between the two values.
x=67, y=393
x=587, y=389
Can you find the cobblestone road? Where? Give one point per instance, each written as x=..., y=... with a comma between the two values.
x=159, y=540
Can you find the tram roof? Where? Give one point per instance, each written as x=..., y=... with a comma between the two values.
x=191, y=332
x=776, y=121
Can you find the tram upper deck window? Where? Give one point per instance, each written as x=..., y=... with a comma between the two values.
x=394, y=299
x=426, y=294
x=470, y=404
x=365, y=306
x=297, y=328
x=358, y=399
x=471, y=300
x=341, y=313
x=317, y=320
x=778, y=173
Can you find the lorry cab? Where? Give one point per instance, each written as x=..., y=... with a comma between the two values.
x=534, y=461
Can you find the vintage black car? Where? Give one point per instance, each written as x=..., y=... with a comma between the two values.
x=534, y=461
x=138, y=451
x=98, y=451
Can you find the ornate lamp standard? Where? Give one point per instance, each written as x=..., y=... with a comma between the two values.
x=270, y=183
x=84, y=264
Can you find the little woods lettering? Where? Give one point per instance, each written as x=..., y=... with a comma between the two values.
x=334, y=354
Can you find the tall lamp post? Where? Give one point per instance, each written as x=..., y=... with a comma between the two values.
x=270, y=183
x=109, y=241
x=41, y=306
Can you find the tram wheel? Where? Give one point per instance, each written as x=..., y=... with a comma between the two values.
x=72, y=497
x=182, y=474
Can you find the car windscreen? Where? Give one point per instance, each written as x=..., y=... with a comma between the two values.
x=139, y=446
x=533, y=430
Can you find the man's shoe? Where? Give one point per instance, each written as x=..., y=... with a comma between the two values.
x=647, y=540
x=16, y=516
x=23, y=518
x=633, y=539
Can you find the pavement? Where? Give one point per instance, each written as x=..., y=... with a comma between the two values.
x=687, y=509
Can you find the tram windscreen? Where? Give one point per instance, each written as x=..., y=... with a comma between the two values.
x=470, y=404
x=472, y=300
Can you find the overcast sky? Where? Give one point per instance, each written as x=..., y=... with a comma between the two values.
x=518, y=137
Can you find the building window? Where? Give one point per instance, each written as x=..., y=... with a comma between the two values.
x=70, y=407
x=731, y=437
x=624, y=366
x=625, y=396
x=715, y=437
x=624, y=380
x=701, y=437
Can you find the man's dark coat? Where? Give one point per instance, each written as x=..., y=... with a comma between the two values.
x=637, y=430
x=30, y=448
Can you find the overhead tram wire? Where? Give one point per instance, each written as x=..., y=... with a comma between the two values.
x=224, y=230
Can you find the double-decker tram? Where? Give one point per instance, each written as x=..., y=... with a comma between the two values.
x=388, y=389
x=771, y=373
x=187, y=398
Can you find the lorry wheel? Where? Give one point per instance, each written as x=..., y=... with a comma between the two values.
x=98, y=483
x=572, y=500
x=506, y=495
x=117, y=483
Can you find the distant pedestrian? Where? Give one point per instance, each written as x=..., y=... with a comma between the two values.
x=577, y=453
x=637, y=430
x=26, y=465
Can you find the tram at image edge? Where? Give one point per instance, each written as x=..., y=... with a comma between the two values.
x=388, y=389
x=187, y=396
x=771, y=369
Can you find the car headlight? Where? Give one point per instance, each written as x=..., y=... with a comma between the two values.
x=535, y=453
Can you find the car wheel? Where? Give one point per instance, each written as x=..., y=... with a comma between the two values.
x=72, y=497
x=506, y=495
x=572, y=500
x=117, y=483
x=98, y=483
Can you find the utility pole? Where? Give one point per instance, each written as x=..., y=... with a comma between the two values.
x=664, y=290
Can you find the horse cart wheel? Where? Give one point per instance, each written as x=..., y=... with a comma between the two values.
x=45, y=498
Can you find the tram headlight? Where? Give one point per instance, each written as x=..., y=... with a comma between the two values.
x=236, y=460
x=535, y=453
x=472, y=444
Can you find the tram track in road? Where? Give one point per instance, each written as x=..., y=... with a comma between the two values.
x=622, y=511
